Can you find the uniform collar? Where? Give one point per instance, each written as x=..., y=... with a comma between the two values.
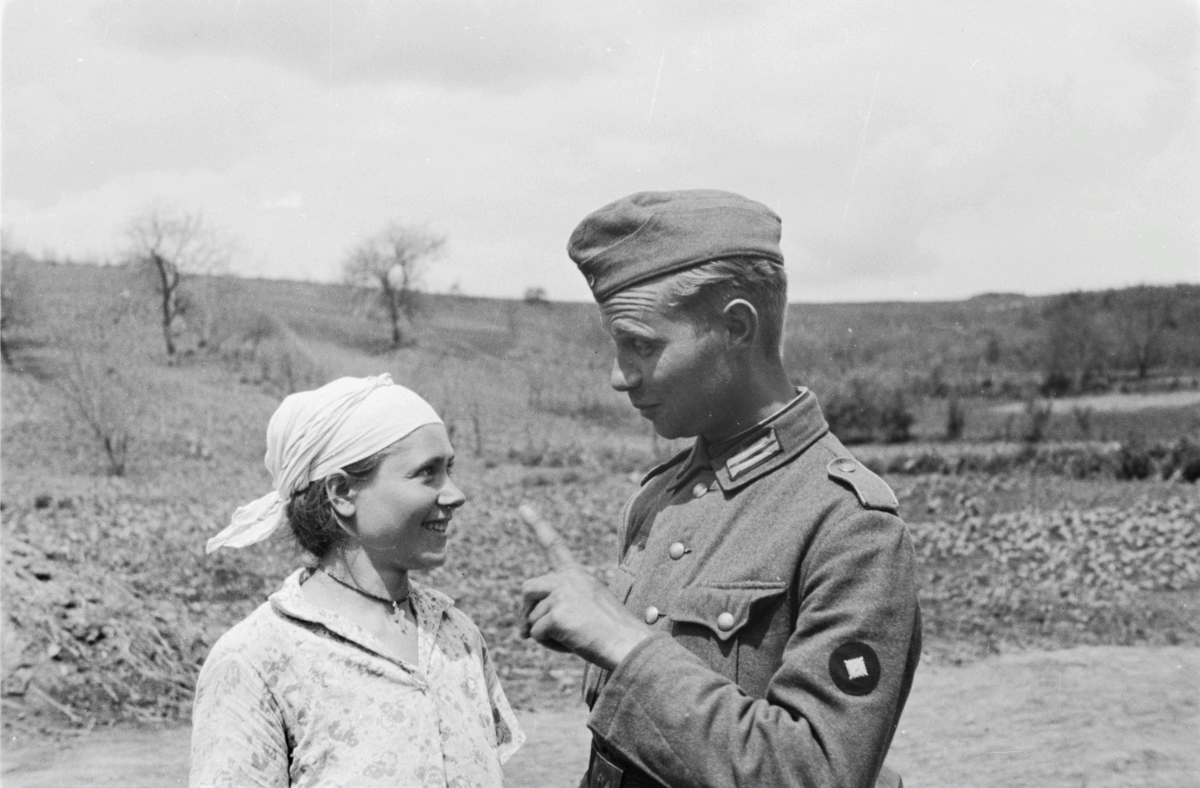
x=759, y=450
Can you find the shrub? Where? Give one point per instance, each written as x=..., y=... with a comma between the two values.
x=1134, y=461
x=1036, y=420
x=1083, y=420
x=896, y=419
x=863, y=411
x=1184, y=460
x=956, y=420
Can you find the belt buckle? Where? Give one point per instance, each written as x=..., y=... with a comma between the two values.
x=604, y=773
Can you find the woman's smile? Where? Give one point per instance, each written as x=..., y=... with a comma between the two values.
x=439, y=526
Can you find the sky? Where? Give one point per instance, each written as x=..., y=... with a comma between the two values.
x=915, y=150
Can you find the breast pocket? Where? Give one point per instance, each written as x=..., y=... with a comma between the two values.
x=718, y=622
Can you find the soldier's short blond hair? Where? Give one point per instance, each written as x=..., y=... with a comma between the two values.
x=703, y=292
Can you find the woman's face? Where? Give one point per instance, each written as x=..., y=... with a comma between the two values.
x=402, y=516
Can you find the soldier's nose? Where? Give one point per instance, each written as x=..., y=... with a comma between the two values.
x=621, y=379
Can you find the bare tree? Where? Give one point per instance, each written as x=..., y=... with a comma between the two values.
x=172, y=245
x=390, y=265
x=100, y=396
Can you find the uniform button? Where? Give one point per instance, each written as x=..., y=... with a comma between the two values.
x=699, y=489
x=725, y=621
x=846, y=466
x=651, y=614
x=676, y=551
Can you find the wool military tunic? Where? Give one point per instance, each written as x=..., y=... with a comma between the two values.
x=781, y=585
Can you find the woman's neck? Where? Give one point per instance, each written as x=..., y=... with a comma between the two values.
x=355, y=568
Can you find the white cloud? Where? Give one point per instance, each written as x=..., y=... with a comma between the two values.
x=1006, y=149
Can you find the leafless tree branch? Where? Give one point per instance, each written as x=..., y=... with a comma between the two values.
x=391, y=265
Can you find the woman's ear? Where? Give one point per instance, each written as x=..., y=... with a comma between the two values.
x=740, y=319
x=340, y=494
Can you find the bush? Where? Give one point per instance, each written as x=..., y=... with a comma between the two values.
x=1184, y=460
x=1036, y=420
x=1084, y=418
x=1132, y=460
x=896, y=420
x=956, y=420
x=864, y=411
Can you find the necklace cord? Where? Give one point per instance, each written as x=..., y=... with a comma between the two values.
x=395, y=603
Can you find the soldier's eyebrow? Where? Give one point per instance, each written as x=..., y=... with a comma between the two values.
x=623, y=327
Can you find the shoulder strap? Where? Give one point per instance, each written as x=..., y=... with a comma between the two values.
x=872, y=492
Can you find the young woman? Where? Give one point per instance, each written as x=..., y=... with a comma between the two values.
x=351, y=673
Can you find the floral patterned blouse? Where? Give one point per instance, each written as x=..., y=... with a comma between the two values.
x=296, y=695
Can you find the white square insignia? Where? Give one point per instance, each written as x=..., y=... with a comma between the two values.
x=856, y=668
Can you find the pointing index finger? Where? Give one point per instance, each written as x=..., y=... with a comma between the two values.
x=547, y=537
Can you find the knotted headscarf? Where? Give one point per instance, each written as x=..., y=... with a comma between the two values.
x=313, y=434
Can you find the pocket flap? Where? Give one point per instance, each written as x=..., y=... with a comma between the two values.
x=723, y=609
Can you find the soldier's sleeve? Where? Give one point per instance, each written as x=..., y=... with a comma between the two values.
x=830, y=709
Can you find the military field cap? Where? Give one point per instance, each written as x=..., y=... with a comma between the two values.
x=650, y=234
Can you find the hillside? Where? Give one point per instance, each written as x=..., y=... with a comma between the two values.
x=111, y=604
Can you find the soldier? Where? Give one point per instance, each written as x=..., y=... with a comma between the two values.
x=762, y=628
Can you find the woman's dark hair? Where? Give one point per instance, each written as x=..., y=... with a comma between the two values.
x=310, y=512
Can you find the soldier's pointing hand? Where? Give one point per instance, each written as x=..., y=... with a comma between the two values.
x=571, y=609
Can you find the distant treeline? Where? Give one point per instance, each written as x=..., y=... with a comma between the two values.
x=1006, y=346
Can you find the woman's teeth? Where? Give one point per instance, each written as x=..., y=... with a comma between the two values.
x=437, y=526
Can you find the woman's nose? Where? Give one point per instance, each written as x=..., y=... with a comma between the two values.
x=451, y=496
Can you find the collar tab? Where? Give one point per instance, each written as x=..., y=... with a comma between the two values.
x=775, y=442
x=753, y=455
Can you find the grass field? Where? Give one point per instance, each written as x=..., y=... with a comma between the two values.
x=111, y=605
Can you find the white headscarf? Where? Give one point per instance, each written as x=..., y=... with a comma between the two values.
x=314, y=433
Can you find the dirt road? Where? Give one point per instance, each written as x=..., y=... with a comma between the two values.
x=1096, y=717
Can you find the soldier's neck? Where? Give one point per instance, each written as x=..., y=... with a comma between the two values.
x=763, y=391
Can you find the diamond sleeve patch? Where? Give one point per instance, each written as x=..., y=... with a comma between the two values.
x=856, y=668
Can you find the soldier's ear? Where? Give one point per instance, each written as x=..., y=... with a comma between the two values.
x=740, y=320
